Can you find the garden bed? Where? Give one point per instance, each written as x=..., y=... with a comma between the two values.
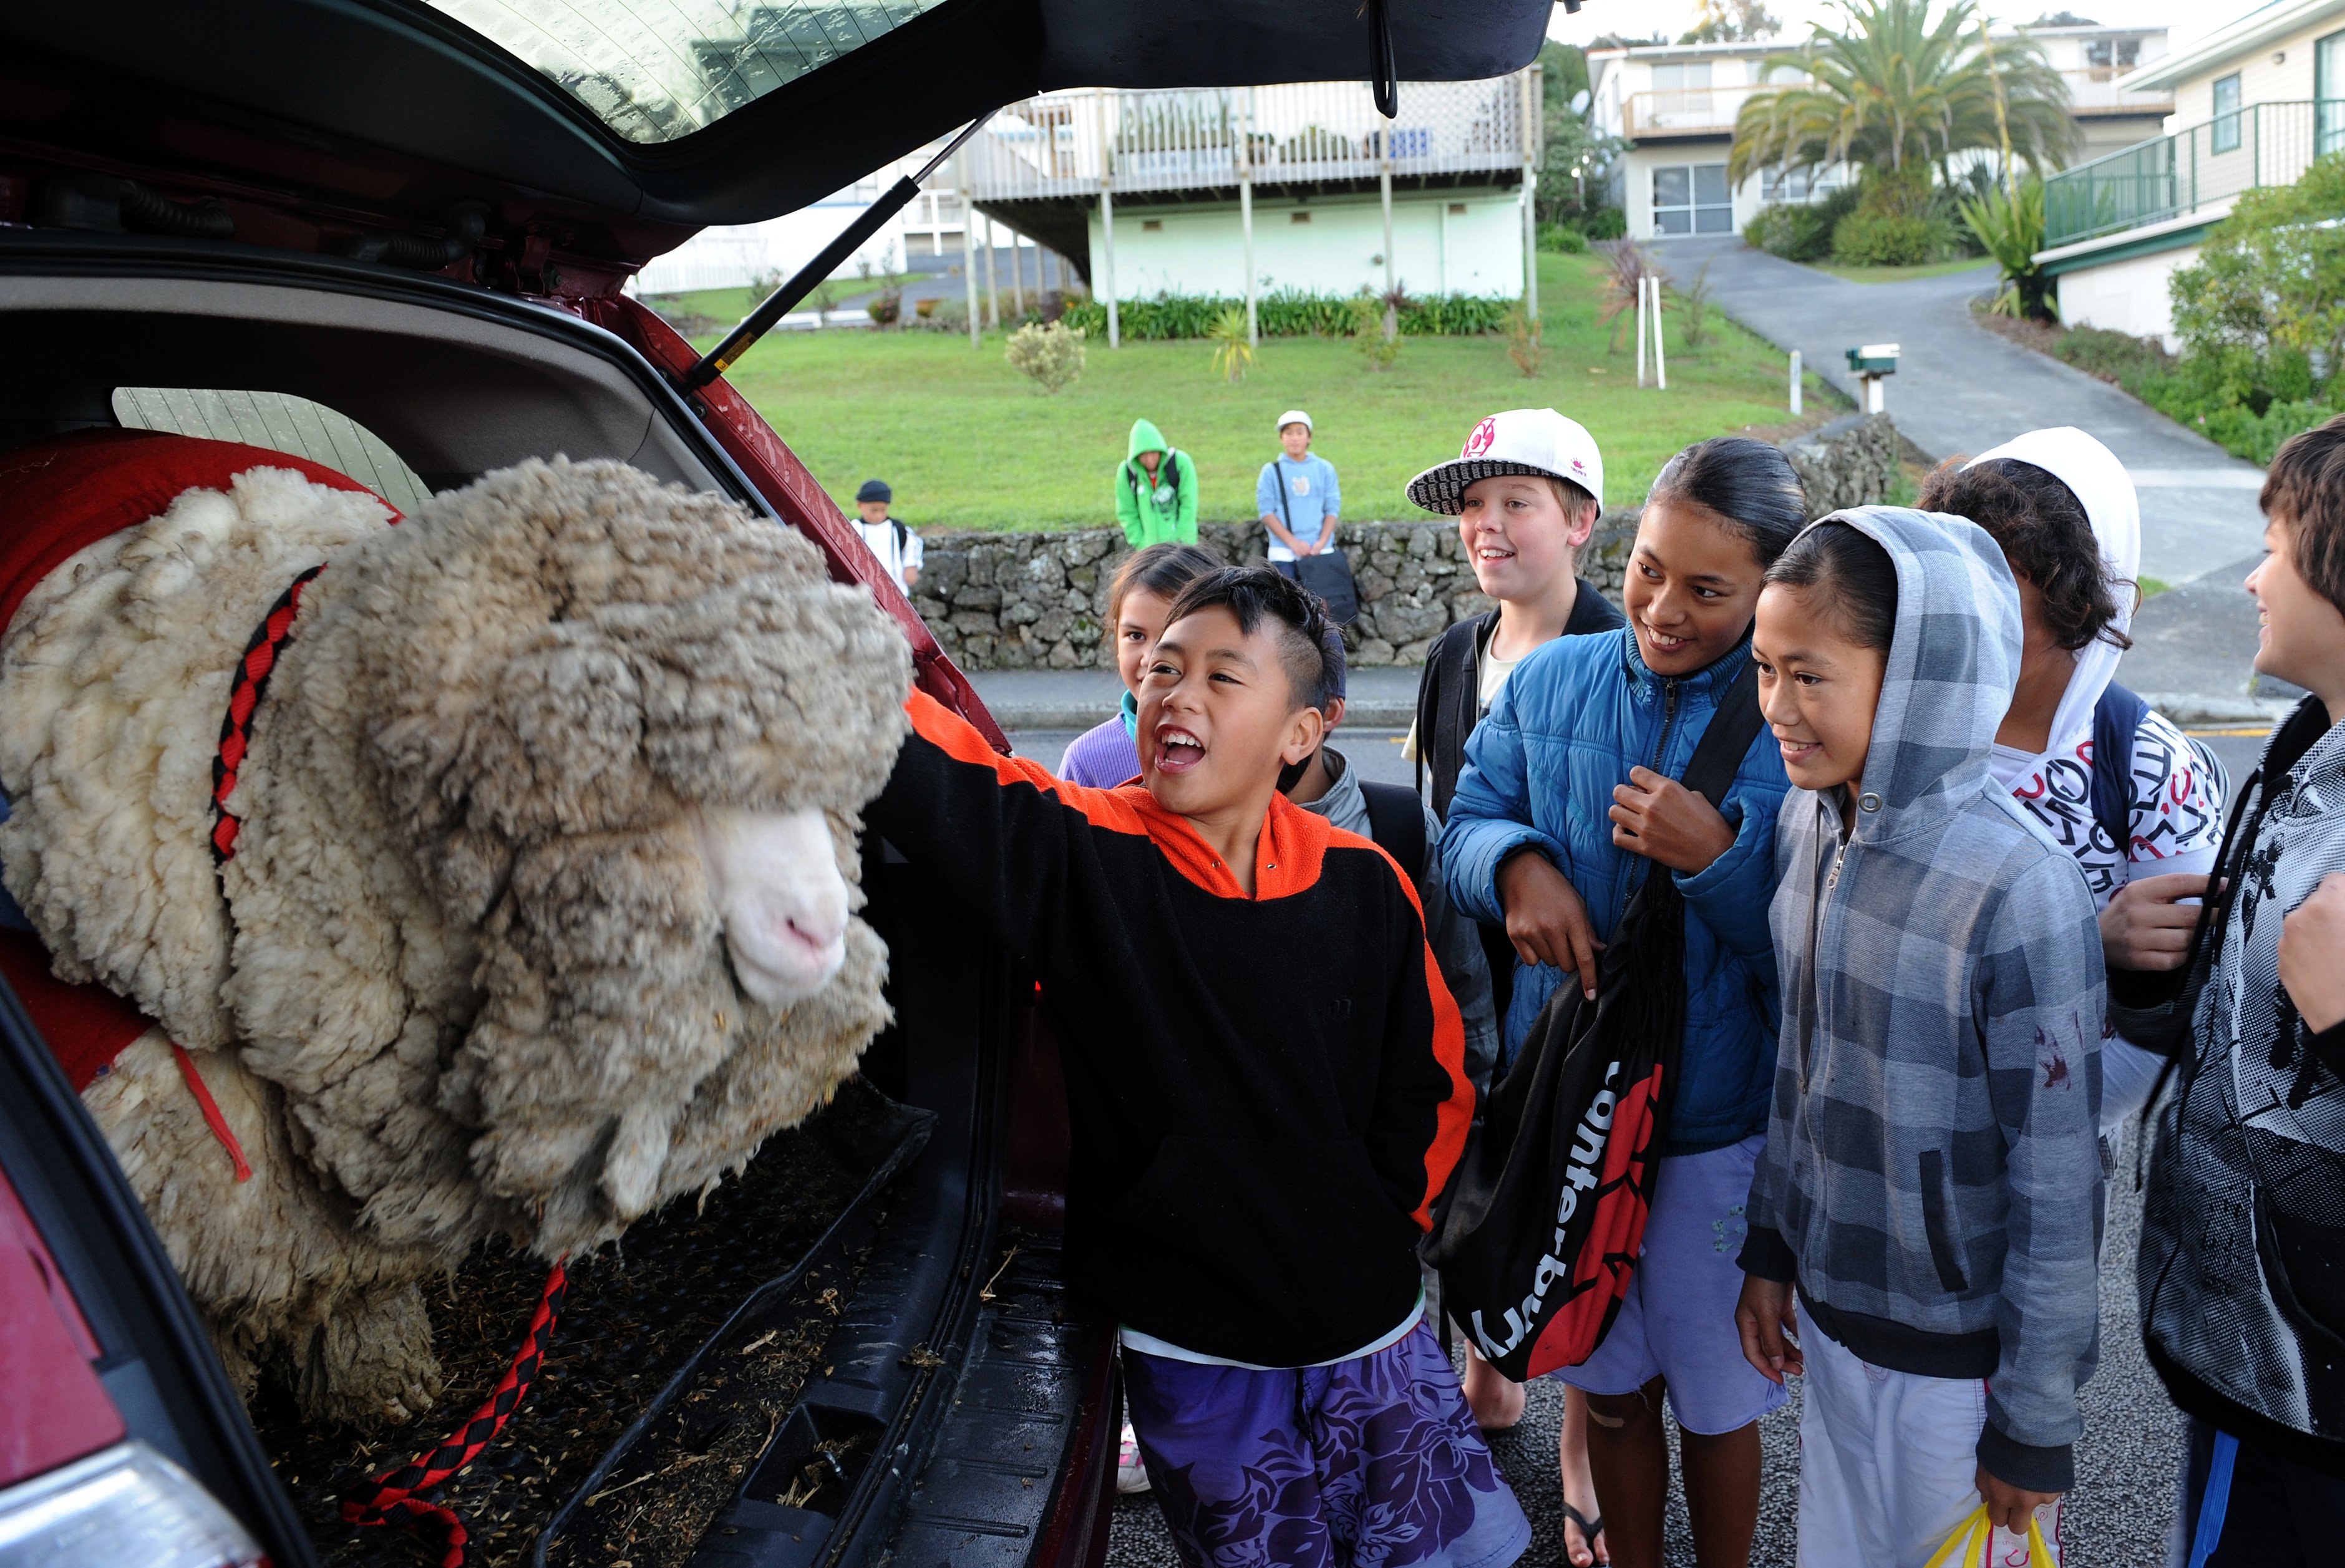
x=637, y=1315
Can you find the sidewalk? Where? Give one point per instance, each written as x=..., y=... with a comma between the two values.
x=1382, y=698
x=1961, y=388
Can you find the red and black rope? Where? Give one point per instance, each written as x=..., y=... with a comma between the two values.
x=395, y=1497
x=252, y=673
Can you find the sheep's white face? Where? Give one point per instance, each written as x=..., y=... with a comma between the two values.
x=775, y=877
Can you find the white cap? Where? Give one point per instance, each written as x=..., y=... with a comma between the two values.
x=1294, y=417
x=1538, y=442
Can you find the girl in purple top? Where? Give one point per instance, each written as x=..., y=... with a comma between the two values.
x=1137, y=600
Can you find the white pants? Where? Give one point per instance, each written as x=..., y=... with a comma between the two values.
x=1889, y=1464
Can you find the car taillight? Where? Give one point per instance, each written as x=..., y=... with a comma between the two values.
x=122, y=1507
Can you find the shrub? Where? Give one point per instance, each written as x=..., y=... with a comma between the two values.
x=1626, y=265
x=1562, y=238
x=2010, y=225
x=1289, y=313
x=1800, y=231
x=1523, y=345
x=2270, y=278
x=1884, y=239
x=1051, y=357
x=886, y=307
x=1605, y=223
x=1696, y=296
x=2128, y=361
x=1375, y=329
x=1234, y=351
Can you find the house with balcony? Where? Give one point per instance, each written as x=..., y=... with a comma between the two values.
x=1676, y=104
x=1244, y=191
x=2254, y=102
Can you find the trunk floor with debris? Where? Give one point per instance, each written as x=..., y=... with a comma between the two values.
x=635, y=1314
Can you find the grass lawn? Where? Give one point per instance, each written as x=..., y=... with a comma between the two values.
x=968, y=442
x=1899, y=274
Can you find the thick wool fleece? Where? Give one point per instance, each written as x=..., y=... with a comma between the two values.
x=345, y=1326
x=468, y=932
x=113, y=681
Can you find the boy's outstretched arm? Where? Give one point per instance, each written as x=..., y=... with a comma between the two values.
x=999, y=835
x=2042, y=1000
x=1425, y=1101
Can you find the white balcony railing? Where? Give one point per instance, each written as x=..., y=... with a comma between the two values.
x=1664, y=112
x=1068, y=144
x=1682, y=111
x=2094, y=90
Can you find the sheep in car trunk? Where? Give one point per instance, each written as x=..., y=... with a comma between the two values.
x=488, y=873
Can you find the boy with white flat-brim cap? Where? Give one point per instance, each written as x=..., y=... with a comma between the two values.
x=1297, y=496
x=1525, y=488
x=1538, y=442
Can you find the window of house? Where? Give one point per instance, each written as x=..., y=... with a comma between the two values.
x=2328, y=93
x=2223, y=135
x=2109, y=56
x=1796, y=185
x=1681, y=89
x=1692, y=199
x=278, y=423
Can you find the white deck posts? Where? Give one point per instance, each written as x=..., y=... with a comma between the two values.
x=968, y=251
x=992, y=289
x=1795, y=382
x=1384, y=188
x=1018, y=274
x=1245, y=207
x=1530, y=105
x=1107, y=220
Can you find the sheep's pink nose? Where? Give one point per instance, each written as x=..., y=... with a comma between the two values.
x=777, y=888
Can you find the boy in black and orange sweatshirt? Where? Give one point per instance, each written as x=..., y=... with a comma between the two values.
x=1266, y=1092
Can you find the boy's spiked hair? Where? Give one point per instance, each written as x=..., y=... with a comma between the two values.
x=1256, y=593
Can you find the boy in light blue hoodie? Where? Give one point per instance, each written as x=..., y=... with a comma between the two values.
x=1297, y=496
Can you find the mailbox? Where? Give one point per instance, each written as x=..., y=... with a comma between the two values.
x=1871, y=364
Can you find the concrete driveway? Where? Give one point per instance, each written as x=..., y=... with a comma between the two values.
x=1961, y=388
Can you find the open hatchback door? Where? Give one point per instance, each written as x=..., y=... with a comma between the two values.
x=390, y=237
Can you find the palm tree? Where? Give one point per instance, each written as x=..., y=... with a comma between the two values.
x=1899, y=93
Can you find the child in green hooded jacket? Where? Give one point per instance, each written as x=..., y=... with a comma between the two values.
x=1156, y=491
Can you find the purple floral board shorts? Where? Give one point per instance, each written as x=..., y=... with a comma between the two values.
x=1374, y=1462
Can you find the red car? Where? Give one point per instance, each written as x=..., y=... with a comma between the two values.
x=415, y=219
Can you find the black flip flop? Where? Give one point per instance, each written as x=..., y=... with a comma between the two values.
x=1590, y=1529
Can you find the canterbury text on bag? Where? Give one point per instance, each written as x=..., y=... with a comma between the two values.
x=1538, y=1236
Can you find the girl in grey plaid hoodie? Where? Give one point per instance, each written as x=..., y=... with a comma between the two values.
x=1932, y=1181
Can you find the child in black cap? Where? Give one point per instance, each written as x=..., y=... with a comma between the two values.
x=897, y=547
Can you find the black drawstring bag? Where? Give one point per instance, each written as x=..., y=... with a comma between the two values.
x=1538, y=1236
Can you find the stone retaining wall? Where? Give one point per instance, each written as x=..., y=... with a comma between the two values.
x=1037, y=600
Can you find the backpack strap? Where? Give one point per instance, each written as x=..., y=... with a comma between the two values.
x=903, y=535
x=1396, y=821
x=1709, y=772
x=2116, y=720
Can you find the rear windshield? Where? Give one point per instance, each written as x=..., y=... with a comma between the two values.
x=653, y=70
x=280, y=423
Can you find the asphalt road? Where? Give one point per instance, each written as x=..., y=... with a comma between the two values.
x=1961, y=388
x=2123, y=1507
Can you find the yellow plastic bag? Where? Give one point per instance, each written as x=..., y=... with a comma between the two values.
x=1974, y=1535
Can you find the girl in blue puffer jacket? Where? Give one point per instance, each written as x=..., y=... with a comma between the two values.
x=1569, y=796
